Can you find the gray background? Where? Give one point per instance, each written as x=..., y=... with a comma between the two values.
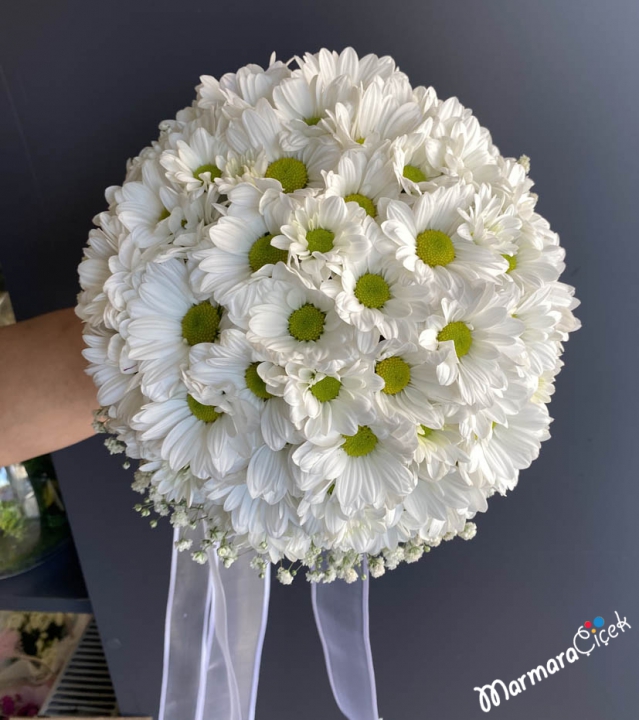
x=83, y=88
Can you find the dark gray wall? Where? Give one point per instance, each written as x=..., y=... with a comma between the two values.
x=84, y=86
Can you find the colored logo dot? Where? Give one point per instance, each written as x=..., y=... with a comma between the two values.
x=598, y=622
x=588, y=624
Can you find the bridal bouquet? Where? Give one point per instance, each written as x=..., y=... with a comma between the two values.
x=324, y=315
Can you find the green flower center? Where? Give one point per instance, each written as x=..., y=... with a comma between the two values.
x=425, y=431
x=372, y=290
x=263, y=253
x=396, y=374
x=362, y=443
x=291, y=172
x=312, y=120
x=434, y=248
x=201, y=323
x=512, y=262
x=164, y=215
x=213, y=169
x=306, y=324
x=363, y=202
x=320, y=240
x=360, y=140
x=326, y=389
x=412, y=172
x=459, y=333
x=255, y=383
x=205, y=413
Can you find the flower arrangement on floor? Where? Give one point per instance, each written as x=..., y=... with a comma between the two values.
x=324, y=315
x=33, y=649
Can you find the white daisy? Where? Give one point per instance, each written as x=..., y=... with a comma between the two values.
x=332, y=528
x=333, y=397
x=234, y=360
x=167, y=318
x=409, y=383
x=303, y=105
x=296, y=322
x=288, y=170
x=94, y=271
x=491, y=221
x=243, y=88
x=372, y=294
x=438, y=450
x=363, y=178
x=145, y=207
x=193, y=163
x=497, y=460
x=203, y=437
x=428, y=244
x=241, y=254
x=329, y=65
x=449, y=501
x=410, y=160
x=113, y=372
x=376, y=113
x=322, y=232
x=369, y=468
x=251, y=512
x=476, y=339
x=459, y=148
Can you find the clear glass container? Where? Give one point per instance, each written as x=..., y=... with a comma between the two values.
x=33, y=521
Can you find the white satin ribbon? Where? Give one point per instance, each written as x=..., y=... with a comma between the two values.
x=341, y=615
x=214, y=633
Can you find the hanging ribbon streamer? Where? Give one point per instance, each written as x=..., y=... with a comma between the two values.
x=341, y=614
x=214, y=633
x=215, y=625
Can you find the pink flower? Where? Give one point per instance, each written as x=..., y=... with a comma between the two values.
x=7, y=706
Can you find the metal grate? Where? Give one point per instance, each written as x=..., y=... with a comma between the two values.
x=84, y=687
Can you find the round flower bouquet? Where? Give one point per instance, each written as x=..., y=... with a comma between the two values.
x=324, y=315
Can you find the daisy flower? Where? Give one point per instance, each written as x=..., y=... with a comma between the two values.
x=303, y=105
x=234, y=360
x=329, y=65
x=287, y=170
x=497, y=459
x=429, y=246
x=145, y=207
x=206, y=438
x=369, y=468
x=333, y=397
x=476, y=339
x=438, y=451
x=321, y=233
x=296, y=322
x=409, y=385
x=379, y=112
x=410, y=161
x=448, y=501
x=167, y=319
x=241, y=89
x=363, y=178
x=193, y=163
x=251, y=512
x=240, y=254
x=372, y=295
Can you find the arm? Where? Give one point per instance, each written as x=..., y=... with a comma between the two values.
x=46, y=399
